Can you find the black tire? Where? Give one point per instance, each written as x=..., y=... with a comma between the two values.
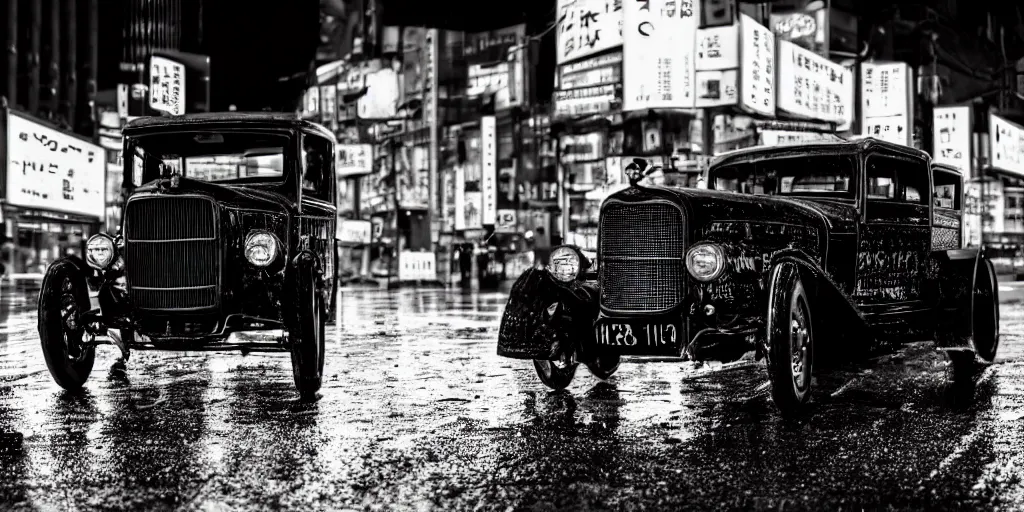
x=62, y=300
x=557, y=374
x=308, y=337
x=790, y=341
x=604, y=366
x=985, y=312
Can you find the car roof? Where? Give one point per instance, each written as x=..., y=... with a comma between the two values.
x=254, y=119
x=948, y=168
x=817, y=148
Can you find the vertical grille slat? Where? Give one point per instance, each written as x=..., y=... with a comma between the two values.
x=641, y=255
x=171, y=252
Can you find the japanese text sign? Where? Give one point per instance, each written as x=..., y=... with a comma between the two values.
x=586, y=27
x=1007, y=145
x=51, y=170
x=757, y=75
x=354, y=159
x=952, y=137
x=489, y=168
x=886, y=103
x=659, y=39
x=813, y=86
x=166, y=85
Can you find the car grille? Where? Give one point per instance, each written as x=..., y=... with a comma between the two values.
x=171, y=253
x=641, y=256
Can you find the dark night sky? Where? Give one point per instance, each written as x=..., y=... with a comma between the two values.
x=250, y=45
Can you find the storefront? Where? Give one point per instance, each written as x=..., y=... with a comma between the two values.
x=54, y=194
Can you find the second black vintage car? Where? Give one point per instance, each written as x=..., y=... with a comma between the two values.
x=845, y=247
x=228, y=226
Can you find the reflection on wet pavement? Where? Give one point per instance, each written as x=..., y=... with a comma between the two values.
x=418, y=412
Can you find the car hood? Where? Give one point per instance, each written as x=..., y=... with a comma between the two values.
x=705, y=206
x=239, y=196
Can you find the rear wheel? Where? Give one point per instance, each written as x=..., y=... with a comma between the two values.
x=985, y=312
x=790, y=342
x=308, y=338
x=61, y=330
x=557, y=374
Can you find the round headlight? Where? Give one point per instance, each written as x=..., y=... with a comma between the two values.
x=565, y=264
x=261, y=248
x=99, y=251
x=705, y=261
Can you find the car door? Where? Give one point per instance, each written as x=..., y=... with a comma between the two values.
x=895, y=236
x=947, y=209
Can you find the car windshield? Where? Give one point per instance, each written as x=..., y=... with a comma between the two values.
x=220, y=156
x=818, y=175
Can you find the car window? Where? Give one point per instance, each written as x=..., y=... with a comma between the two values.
x=216, y=156
x=816, y=175
x=317, y=163
x=897, y=179
x=947, y=190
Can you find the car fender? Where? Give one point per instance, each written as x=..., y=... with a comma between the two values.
x=78, y=268
x=956, y=272
x=834, y=307
x=543, y=317
x=306, y=259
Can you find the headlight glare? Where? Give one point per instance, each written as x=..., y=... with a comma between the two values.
x=705, y=262
x=565, y=264
x=99, y=251
x=261, y=248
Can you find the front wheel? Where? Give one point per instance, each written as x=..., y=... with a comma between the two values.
x=61, y=330
x=557, y=374
x=790, y=341
x=308, y=338
x=604, y=366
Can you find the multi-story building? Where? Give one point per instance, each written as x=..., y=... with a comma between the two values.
x=53, y=172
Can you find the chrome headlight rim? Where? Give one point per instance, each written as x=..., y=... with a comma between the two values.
x=108, y=242
x=719, y=255
x=577, y=261
x=274, y=246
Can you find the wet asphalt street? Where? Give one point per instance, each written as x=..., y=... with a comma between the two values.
x=418, y=413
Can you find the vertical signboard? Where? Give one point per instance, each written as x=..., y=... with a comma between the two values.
x=952, y=137
x=430, y=83
x=658, y=42
x=812, y=86
x=757, y=75
x=886, y=102
x=1007, y=141
x=489, y=168
x=166, y=85
x=460, y=198
x=586, y=27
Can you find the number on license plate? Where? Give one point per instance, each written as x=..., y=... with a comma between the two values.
x=632, y=335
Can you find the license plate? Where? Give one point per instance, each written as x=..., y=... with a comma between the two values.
x=640, y=336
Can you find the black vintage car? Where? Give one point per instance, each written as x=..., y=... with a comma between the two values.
x=228, y=226
x=841, y=247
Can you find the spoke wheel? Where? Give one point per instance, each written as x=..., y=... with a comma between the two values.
x=308, y=339
x=604, y=366
x=557, y=374
x=790, y=341
x=61, y=330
